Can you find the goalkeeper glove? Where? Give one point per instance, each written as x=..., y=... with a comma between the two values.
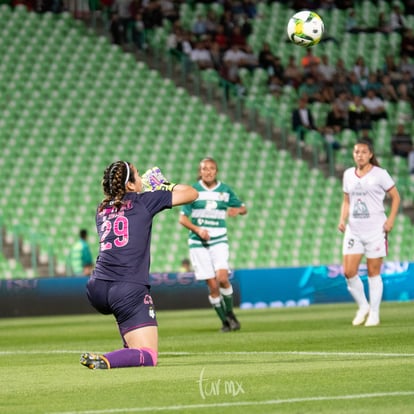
x=167, y=186
x=154, y=180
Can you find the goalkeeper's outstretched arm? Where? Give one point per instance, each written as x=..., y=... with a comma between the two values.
x=183, y=194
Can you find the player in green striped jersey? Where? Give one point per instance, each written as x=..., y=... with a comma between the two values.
x=208, y=243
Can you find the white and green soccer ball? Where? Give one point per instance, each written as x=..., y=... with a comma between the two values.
x=305, y=28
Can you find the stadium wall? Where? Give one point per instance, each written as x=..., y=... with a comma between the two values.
x=254, y=288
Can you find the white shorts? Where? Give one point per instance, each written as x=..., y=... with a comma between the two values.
x=373, y=245
x=207, y=260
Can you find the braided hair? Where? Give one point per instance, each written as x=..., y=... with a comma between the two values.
x=115, y=178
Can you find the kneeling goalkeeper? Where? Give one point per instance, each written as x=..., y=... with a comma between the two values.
x=120, y=283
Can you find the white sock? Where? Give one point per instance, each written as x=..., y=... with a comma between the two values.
x=356, y=289
x=226, y=291
x=215, y=301
x=375, y=292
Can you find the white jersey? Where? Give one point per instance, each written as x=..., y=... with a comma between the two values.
x=366, y=198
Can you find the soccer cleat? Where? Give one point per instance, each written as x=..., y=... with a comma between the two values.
x=233, y=322
x=373, y=319
x=225, y=327
x=94, y=361
x=360, y=316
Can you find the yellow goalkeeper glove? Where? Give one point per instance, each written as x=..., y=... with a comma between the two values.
x=154, y=180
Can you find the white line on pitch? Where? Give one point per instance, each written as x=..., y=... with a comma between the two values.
x=242, y=403
x=306, y=353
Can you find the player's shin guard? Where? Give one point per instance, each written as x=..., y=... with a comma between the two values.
x=356, y=289
x=130, y=357
x=227, y=294
x=375, y=292
x=218, y=307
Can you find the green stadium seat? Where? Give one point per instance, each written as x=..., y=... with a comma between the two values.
x=62, y=95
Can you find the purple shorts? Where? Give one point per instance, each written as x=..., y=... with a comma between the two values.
x=130, y=303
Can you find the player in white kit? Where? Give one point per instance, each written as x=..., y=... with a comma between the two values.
x=366, y=226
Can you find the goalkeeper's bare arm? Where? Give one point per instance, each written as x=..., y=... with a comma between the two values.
x=183, y=194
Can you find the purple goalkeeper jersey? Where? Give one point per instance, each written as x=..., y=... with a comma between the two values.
x=125, y=237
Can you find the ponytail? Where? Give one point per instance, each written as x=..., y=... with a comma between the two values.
x=115, y=178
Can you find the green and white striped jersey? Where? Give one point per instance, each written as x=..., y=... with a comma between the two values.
x=209, y=211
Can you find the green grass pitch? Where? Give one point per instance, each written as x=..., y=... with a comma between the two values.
x=291, y=360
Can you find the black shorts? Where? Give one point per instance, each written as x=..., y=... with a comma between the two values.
x=130, y=303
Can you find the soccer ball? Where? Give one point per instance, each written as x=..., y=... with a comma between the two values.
x=305, y=28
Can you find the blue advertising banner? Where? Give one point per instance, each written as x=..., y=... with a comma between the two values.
x=44, y=296
x=253, y=288
x=302, y=286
